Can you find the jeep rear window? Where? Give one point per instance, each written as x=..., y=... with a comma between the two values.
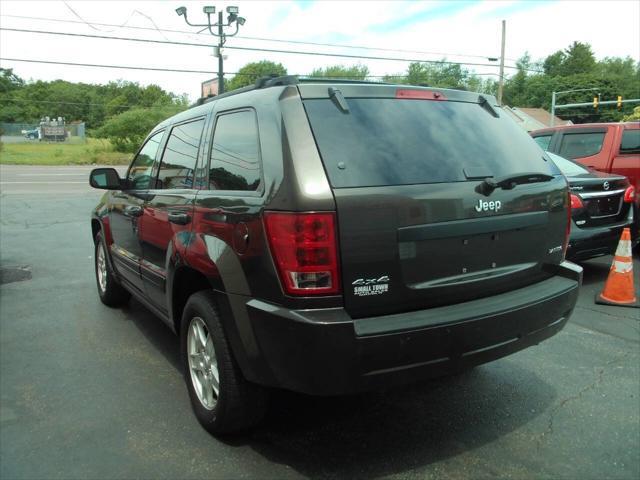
x=401, y=142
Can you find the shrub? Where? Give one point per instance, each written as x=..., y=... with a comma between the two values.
x=127, y=130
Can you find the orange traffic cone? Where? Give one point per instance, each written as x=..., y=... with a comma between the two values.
x=618, y=290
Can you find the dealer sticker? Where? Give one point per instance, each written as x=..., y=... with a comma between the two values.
x=364, y=287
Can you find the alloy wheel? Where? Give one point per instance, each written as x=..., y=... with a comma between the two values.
x=203, y=363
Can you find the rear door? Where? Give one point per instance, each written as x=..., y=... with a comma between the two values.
x=168, y=210
x=415, y=231
x=627, y=159
x=126, y=212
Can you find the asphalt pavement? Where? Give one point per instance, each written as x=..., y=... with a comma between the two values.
x=92, y=392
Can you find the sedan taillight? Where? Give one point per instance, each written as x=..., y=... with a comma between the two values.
x=576, y=202
x=305, y=251
x=630, y=194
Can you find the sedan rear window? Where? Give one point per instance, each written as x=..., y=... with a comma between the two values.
x=543, y=141
x=567, y=167
x=400, y=142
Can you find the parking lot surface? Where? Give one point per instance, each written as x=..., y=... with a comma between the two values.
x=92, y=392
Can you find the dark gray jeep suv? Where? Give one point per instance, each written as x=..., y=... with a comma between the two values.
x=330, y=238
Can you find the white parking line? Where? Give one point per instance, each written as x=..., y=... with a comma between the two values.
x=31, y=183
x=47, y=174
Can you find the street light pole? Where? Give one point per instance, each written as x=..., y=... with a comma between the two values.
x=222, y=37
x=554, y=96
x=220, y=59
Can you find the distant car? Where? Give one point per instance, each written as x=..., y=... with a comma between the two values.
x=602, y=204
x=32, y=134
x=608, y=147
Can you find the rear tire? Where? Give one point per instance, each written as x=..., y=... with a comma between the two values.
x=209, y=366
x=110, y=291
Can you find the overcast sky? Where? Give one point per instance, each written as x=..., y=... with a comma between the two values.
x=460, y=30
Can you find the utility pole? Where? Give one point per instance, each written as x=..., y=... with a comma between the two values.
x=222, y=37
x=220, y=59
x=501, y=80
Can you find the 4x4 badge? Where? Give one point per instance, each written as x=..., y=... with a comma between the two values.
x=363, y=287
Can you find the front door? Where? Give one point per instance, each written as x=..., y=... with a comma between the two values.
x=168, y=209
x=124, y=218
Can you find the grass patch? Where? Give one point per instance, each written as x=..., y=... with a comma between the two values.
x=95, y=151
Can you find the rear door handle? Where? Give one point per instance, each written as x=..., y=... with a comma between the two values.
x=133, y=211
x=179, y=218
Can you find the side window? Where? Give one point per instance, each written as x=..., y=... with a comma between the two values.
x=180, y=156
x=543, y=141
x=630, y=142
x=234, y=163
x=139, y=174
x=576, y=145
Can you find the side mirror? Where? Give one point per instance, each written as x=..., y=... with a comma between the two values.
x=105, y=178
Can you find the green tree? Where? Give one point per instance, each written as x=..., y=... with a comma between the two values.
x=9, y=81
x=552, y=65
x=27, y=102
x=515, y=88
x=127, y=130
x=353, y=72
x=632, y=117
x=579, y=59
x=572, y=69
x=443, y=75
x=248, y=74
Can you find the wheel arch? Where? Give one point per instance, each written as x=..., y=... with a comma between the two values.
x=96, y=227
x=184, y=282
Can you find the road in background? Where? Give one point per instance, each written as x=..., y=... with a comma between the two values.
x=16, y=139
x=92, y=392
x=44, y=180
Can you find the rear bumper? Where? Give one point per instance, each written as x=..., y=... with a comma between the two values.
x=587, y=243
x=325, y=352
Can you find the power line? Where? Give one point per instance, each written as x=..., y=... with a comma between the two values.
x=28, y=100
x=255, y=49
x=391, y=76
x=299, y=42
x=125, y=67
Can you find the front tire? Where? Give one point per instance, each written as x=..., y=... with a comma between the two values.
x=110, y=291
x=222, y=399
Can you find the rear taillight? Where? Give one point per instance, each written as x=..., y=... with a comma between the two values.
x=576, y=202
x=630, y=194
x=305, y=251
x=567, y=232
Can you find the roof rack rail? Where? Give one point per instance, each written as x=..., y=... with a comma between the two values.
x=275, y=81
x=339, y=80
x=262, y=82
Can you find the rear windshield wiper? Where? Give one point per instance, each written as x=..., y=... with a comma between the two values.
x=338, y=99
x=508, y=182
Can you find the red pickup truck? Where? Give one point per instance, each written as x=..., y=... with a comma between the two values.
x=608, y=147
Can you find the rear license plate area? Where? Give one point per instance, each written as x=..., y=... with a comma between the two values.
x=603, y=207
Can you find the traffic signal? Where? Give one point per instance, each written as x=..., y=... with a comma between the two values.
x=595, y=102
x=619, y=102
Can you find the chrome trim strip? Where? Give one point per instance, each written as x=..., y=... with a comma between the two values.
x=589, y=195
